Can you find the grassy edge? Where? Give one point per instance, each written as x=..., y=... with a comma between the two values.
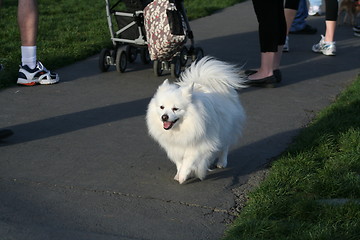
x=312, y=190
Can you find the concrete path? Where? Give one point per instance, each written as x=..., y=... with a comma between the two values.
x=81, y=165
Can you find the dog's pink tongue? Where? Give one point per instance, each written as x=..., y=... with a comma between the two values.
x=167, y=125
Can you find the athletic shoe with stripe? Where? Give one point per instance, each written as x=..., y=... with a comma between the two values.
x=326, y=48
x=38, y=75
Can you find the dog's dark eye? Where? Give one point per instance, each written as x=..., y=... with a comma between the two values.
x=161, y=107
x=175, y=109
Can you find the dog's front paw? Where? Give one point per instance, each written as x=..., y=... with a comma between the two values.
x=182, y=179
x=221, y=165
x=176, y=178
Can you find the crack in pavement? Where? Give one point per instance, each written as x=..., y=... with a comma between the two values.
x=116, y=193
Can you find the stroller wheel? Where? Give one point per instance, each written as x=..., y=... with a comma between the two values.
x=131, y=53
x=144, y=54
x=104, y=60
x=198, y=54
x=121, y=60
x=183, y=56
x=157, y=68
x=175, y=67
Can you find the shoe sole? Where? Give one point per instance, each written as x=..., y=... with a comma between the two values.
x=264, y=85
x=329, y=54
x=48, y=83
x=277, y=75
x=324, y=53
x=26, y=83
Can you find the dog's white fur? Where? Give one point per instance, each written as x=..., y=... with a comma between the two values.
x=203, y=115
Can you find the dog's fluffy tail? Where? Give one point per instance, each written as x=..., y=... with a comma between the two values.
x=214, y=74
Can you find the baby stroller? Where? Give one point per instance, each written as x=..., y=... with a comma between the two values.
x=167, y=29
x=129, y=40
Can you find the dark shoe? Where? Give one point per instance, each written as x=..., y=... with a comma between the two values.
x=278, y=75
x=276, y=72
x=4, y=133
x=306, y=30
x=268, y=82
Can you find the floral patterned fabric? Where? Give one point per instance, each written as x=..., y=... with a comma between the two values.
x=162, y=44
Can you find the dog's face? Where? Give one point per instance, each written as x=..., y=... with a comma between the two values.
x=171, y=103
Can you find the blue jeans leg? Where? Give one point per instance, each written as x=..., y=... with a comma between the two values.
x=299, y=22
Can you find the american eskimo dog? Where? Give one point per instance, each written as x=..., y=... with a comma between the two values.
x=198, y=118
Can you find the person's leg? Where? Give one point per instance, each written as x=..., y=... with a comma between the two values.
x=31, y=71
x=282, y=33
x=266, y=66
x=28, y=21
x=28, y=26
x=327, y=45
x=272, y=32
x=299, y=22
x=290, y=16
x=330, y=31
x=330, y=19
x=290, y=10
x=277, y=58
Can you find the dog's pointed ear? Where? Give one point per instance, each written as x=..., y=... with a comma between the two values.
x=187, y=91
x=164, y=85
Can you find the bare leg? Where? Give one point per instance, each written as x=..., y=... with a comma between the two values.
x=28, y=17
x=277, y=58
x=330, y=31
x=28, y=21
x=290, y=16
x=266, y=67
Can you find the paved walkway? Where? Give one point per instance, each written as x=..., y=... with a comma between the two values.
x=81, y=165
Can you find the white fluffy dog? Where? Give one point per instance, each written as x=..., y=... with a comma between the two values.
x=197, y=119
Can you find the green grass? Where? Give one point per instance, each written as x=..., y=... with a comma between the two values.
x=69, y=31
x=322, y=164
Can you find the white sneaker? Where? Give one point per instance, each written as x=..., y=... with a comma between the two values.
x=326, y=48
x=286, y=47
x=39, y=74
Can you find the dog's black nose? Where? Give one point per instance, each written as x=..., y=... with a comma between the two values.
x=164, y=117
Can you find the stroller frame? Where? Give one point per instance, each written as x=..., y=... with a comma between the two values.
x=137, y=14
x=125, y=50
